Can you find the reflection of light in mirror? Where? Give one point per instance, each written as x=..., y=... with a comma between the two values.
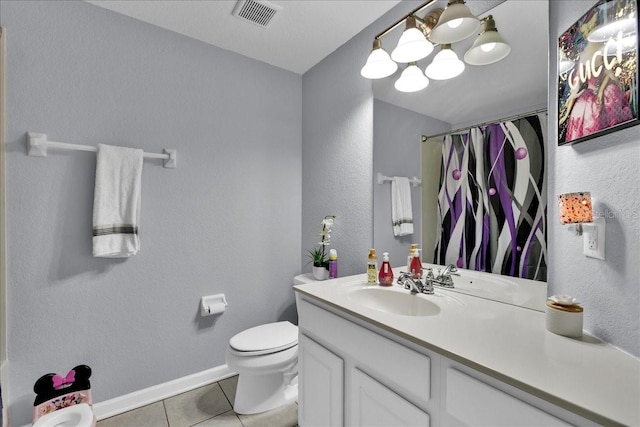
x=625, y=43
x=565, y=66
x=412, y=79
x=445, y=65
x=488, y=47
x=454, y=23
x=611, y=29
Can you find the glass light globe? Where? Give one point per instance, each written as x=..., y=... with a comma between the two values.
x=445, y=65
x=378, y=65
x=412, y=79
x=412, y=46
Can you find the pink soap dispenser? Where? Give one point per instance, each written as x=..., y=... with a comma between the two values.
x=385, y=277
x=416, y=265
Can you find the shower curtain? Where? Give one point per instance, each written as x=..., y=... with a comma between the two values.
x=492, y=201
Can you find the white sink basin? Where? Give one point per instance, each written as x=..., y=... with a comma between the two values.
x=396, y=302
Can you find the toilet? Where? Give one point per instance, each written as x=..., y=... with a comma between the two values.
x=80, y=415
x=64, y=401
x=266, y=360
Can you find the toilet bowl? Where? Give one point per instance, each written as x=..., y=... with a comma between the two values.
x=266, y=360
x=80, y=415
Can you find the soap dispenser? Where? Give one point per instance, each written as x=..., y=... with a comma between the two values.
x=372, y=267
x=414, y=247
x=385, y=277
x=416, y=265
x=333, y=264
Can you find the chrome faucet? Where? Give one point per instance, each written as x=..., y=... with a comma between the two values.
x=444, y=277
x=415, y=285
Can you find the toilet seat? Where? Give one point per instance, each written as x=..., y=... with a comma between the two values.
x=264, y=339
x=80, y=415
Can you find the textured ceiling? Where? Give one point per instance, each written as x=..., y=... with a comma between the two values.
x=300, y=35
x=306, y=31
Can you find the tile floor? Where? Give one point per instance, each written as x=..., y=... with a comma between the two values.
x=208, y=406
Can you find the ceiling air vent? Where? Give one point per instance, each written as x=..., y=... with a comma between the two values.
x=258, y=12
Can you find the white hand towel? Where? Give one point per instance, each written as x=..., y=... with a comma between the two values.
x=116, y=202
x=401, y=211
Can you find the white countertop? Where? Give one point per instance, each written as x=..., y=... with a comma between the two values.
x=586, y=376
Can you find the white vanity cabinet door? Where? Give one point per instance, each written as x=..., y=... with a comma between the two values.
x=321, y=385
x=472, y=402
x=375, y=405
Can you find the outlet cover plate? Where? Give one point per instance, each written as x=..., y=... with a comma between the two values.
x=590, y=234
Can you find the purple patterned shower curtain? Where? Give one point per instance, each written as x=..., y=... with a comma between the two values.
x=492, y=202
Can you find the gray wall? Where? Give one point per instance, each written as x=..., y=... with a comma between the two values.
x=227, y=220
x=337, y=148
x=396, y=152
x=608, y=167
x=337, y=136
x=83, y=74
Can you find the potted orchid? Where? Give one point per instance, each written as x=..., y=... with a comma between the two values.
x=319, y=256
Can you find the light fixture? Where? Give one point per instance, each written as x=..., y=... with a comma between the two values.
x=489, y=47
x=412, y=79
x=577, y=208
x=445, y=65
x=413, y=45
x=379, y=63
x=456, y=23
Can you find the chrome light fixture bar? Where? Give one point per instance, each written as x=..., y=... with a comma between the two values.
x=453, y=24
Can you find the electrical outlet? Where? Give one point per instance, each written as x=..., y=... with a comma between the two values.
x=593, y=245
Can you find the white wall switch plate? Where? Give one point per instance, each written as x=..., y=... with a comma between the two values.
x=594, y=239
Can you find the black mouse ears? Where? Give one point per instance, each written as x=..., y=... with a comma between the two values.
x=52, y=385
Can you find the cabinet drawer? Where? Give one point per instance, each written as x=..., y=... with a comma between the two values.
x=474, y=402
x=375, y=405
x=396, y=366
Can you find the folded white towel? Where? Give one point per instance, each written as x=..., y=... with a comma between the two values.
x=116, y=202
x=401, y=211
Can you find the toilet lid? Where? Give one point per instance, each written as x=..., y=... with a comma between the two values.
x=272, y=336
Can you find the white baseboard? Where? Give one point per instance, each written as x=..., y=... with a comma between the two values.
x=118, y=405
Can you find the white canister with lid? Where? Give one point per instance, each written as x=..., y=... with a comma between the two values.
x=564, y=319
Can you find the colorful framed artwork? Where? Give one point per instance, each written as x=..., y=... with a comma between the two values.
x=598, y=72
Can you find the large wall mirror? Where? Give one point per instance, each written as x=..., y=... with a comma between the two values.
x=511, y=87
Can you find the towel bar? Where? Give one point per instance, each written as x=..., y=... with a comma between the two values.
x=381, y=179
x=37, y=145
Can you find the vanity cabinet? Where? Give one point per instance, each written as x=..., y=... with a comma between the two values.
x=357, y=374
x=320, y=386
x=350, y=375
